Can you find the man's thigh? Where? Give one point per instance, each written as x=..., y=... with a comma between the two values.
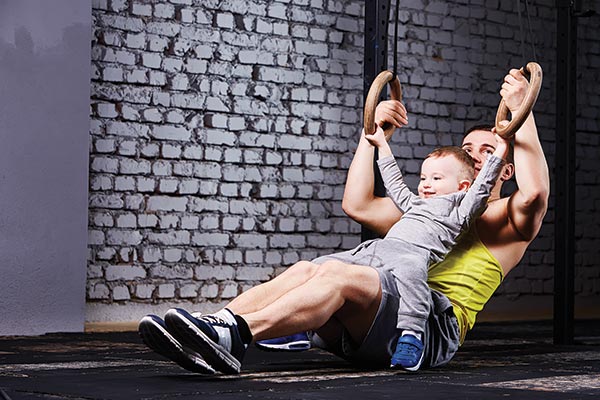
x=361, y=290
x=363, y=297
x=366, y=335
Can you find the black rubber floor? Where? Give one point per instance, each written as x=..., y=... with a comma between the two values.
x=498, y=361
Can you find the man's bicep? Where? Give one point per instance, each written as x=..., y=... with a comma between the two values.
x=379, y=216
x=526, y=215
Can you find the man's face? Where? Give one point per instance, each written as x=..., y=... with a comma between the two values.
x=479, y=144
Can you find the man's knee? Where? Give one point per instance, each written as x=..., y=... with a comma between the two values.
x=332, y=268
x=304, y=270
x=348, y=276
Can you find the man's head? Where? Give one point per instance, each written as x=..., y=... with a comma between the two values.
x=446, y=170
x=478, y=142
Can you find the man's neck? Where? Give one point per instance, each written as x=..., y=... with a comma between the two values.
x=495, y=194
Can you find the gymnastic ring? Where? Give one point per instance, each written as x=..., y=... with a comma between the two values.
x=372, y=100
x=535, y=83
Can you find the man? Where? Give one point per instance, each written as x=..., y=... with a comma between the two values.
x=349, y=305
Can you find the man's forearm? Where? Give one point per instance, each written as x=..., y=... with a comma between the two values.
x=528, y=205
x=360, y=203
x=531, y=168
x=361, y=179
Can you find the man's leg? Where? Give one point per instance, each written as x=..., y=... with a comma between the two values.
x=350, y=293
x=260, y=296
x=155, y=335
x=266, y=293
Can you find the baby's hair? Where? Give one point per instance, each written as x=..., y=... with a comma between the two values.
x=468, y=165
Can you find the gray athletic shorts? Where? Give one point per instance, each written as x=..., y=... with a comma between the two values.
x=441, y=332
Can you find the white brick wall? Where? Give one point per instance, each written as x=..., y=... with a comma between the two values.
x=196, y=131
x=222, y=131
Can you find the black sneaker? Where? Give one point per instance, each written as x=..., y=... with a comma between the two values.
x=215, y=337
x=154, y=334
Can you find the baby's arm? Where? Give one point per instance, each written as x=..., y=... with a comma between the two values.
x=474, y=202
x=390, y=172
x=377, y=139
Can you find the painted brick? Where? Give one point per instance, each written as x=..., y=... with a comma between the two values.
x=106, y=201
x=144, y=291
x=166, y=291
x=121, y=293
x=254, y=273
x=188, y=291
x=220, y=273
x=166, y=203
x=230, y=290
x=170, y=239
x=99, y=291
x=210, y=239
x=209, y=291
x=123, y=272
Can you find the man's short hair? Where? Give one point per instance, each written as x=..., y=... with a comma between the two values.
x=485, y=127
x=468, y=165
x=479, y=127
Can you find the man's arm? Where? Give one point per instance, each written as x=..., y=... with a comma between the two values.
x=359, y=203
x=528, y=205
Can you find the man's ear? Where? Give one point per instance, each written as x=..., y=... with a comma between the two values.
x=507, y=172
x=463, y=185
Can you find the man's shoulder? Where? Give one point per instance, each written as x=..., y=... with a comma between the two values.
x=495, y=228
x=495, y=214
x=499, y=236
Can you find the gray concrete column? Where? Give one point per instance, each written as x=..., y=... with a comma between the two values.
x=44, y=130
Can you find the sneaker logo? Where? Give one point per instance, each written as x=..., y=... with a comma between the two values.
x=214, y=320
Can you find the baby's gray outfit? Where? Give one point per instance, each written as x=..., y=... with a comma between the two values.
x=427, y=231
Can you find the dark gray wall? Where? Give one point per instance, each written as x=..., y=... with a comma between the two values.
x=44, y=124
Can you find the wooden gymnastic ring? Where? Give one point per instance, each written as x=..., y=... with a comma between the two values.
x=372, y=100
x=535, y=83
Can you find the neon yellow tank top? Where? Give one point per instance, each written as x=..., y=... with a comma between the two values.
x=468, y=276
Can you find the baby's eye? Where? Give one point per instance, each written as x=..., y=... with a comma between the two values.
x=437, y=178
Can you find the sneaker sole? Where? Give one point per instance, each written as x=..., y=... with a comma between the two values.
x=411, y=369
x=416, y=367
x=215, y=354
x=291, y=346
x=156, y=337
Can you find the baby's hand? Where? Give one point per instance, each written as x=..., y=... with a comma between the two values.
x=502, y=146
x=376, y=139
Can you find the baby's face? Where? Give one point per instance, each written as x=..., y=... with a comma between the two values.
x=439, y=176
